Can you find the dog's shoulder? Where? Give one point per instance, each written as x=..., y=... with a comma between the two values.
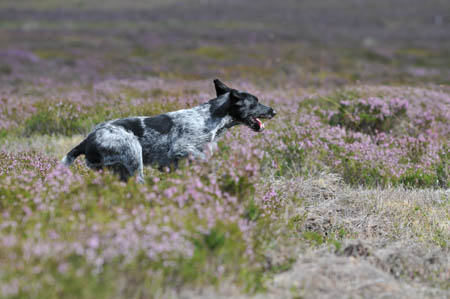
x=193, y=115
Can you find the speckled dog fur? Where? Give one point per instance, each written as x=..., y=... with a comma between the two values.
x=125, y=145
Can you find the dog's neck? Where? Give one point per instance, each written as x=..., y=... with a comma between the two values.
x=219, y=120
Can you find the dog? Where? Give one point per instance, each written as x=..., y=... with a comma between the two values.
x=125, y=145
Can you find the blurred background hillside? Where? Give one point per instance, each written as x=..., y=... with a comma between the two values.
x=310, y=43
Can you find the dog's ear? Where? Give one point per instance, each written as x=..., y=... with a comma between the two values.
x=220, y=87
x=236, y=97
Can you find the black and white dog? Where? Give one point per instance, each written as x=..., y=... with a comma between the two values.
x=125, y=145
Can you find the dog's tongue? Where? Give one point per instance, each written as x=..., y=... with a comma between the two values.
x=261, y=125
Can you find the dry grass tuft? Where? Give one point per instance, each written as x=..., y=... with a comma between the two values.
x=389, y=243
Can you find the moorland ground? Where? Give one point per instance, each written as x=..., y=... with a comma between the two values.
x=345, y=194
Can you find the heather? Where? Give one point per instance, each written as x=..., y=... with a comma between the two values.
x=344, y=195
x=219, y=216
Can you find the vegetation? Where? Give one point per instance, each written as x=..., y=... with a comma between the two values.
x=345, y=194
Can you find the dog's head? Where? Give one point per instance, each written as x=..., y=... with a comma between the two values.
x=243, y=107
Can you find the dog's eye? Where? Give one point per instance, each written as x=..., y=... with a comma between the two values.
x=253, y=105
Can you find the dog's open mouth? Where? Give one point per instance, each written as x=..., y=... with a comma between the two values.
x=256, y=124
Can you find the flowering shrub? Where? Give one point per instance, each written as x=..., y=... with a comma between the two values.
x=209, y=220
x=369, y=116
x=173, y=226
x=374, y=141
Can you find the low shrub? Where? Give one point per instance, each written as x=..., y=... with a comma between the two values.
x=370, y=116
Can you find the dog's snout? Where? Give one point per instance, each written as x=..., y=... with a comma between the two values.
x=273, y=112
